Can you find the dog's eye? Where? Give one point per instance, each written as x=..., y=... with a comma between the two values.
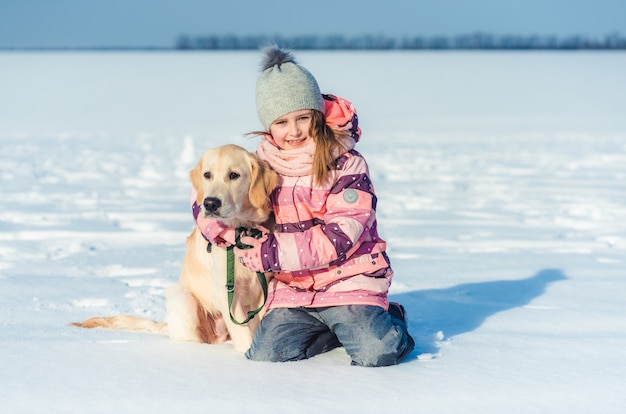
x=233, y=175
x=207, y=175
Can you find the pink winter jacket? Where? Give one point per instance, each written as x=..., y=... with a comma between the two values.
x=325, y=250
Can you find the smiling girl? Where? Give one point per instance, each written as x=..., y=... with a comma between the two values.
x=331, y=270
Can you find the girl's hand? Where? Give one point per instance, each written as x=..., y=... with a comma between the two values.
x=248, y=248
x=251, y=258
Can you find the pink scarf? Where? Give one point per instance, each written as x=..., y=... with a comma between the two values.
x=296, y=162
x=292, y=163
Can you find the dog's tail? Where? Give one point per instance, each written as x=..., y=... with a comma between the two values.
x=186, y=320
x=124, y=323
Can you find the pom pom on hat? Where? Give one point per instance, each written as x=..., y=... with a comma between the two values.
x=273, y=55
x=284, y=86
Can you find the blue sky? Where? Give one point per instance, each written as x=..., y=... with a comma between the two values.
x=137, y=23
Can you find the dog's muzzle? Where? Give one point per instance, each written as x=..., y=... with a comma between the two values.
x=212, y=205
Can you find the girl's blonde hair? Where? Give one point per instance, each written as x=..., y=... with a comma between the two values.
x=329, y=144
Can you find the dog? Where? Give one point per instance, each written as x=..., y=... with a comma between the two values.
x=233, y=186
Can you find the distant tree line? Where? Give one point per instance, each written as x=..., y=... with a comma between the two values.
x=380, y=42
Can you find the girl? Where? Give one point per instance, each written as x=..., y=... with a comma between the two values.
x=331, y=272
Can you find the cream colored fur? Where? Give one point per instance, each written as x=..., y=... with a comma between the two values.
x=197, y=307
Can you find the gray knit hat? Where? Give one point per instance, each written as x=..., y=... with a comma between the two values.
x=284, y=86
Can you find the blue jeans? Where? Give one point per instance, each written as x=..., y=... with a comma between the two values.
x=371, y=336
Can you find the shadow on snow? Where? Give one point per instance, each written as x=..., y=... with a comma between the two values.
x=465, y=307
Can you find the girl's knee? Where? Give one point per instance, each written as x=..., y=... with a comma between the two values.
x=377, y=341
x=387, y=351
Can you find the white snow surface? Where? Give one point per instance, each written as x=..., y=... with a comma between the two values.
x=501, y=180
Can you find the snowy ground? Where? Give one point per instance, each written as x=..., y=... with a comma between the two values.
x=502, y=195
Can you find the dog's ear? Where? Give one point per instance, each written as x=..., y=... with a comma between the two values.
x=263, y=182
x=195, y=176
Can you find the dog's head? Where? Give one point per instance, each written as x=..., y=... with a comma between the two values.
x=233, y=186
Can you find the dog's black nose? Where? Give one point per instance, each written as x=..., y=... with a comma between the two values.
x=212, y=204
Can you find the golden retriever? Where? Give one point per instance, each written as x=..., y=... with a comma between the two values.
x=233, y=186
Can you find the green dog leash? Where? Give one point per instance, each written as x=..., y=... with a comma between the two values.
x=230, y=273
